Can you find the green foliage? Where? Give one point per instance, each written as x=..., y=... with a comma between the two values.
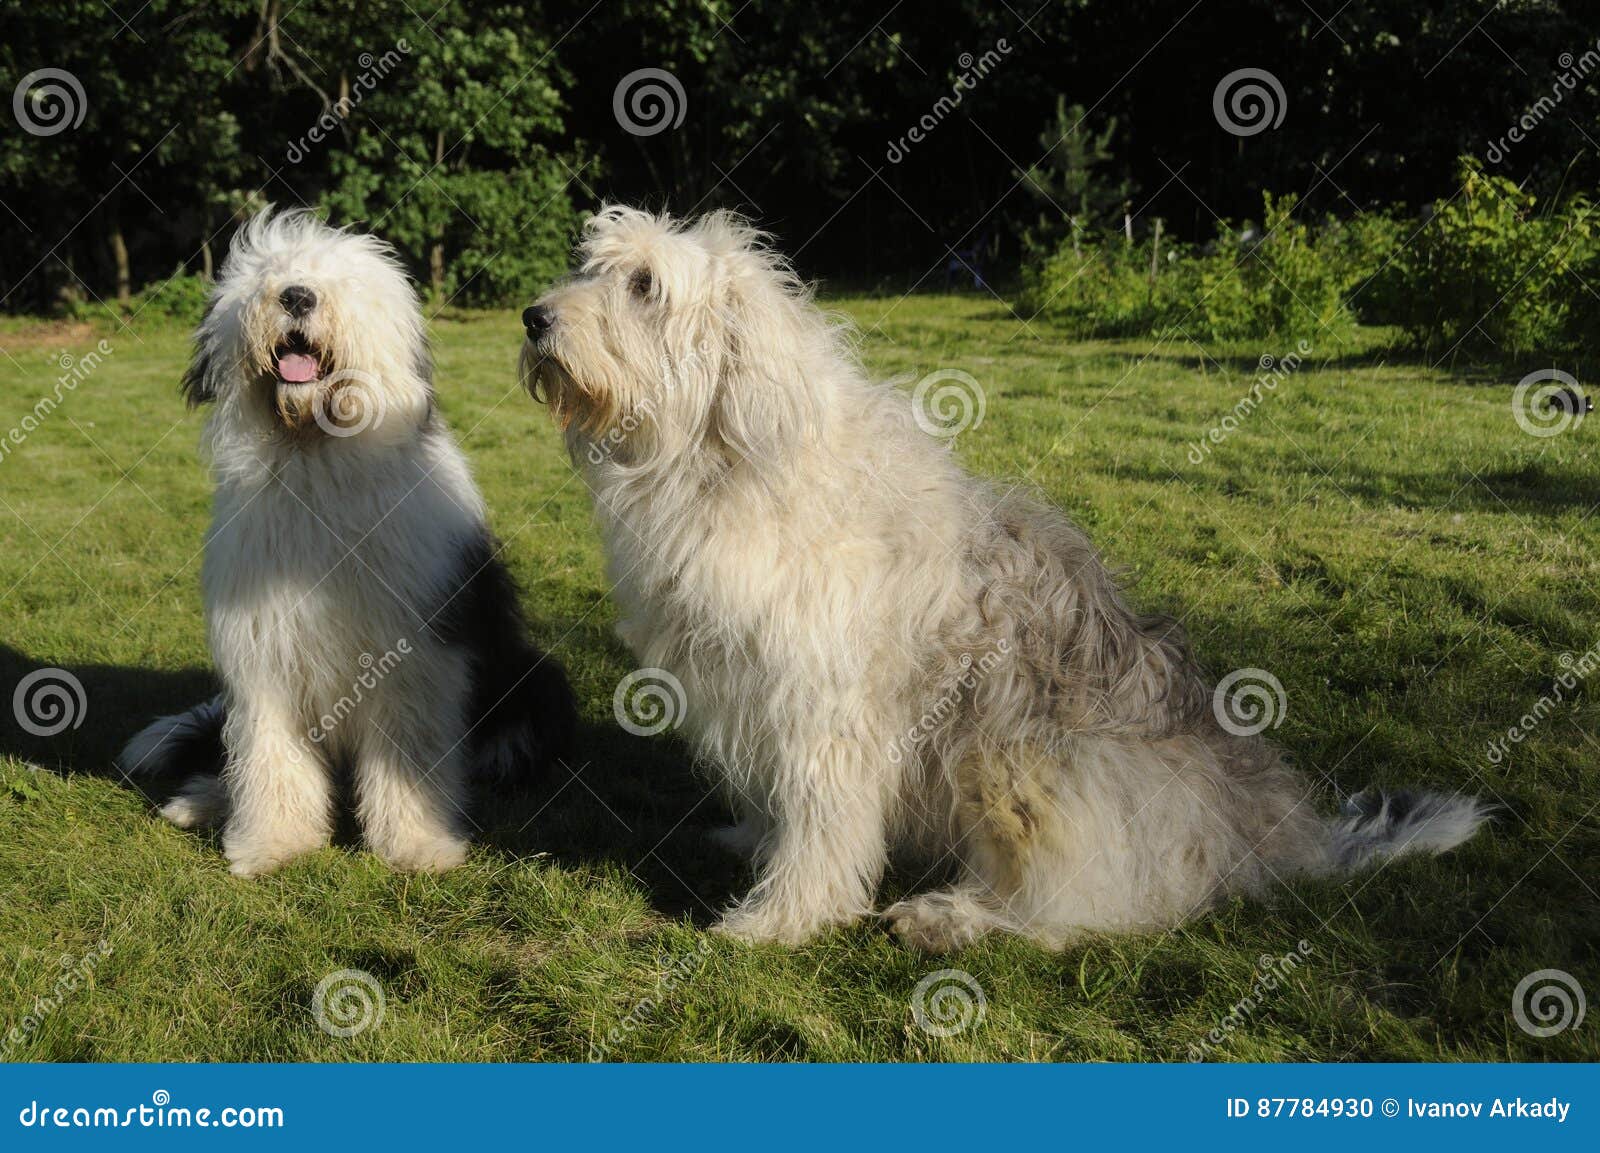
x=1072, y=178
x=1489, y=273
x=1283, y=282
x=182, y=297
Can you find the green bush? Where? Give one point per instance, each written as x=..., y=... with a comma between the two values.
x=181, y=297
x=1489, y=273
x=1281, y=284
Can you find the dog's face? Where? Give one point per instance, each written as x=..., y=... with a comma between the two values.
x=311, y=333
x=671, y=337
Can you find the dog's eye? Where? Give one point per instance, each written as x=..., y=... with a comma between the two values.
x=641, y=282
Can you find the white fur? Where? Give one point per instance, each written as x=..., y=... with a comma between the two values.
x=325, y=552
x=822, y=578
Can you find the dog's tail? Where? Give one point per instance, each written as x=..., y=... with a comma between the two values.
x=188, y=743
x=1378, y=826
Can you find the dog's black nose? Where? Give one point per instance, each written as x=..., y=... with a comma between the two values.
x=297, y=300
x=537, y=319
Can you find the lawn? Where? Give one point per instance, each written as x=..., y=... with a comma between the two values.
x=1380, y=535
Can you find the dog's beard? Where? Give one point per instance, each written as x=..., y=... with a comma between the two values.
x=577, y=406
x=304, y=379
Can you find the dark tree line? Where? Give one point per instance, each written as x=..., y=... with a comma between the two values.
x=873, y=138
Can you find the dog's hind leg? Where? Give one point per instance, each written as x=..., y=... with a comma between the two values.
x=279, y=793
x=201, y=803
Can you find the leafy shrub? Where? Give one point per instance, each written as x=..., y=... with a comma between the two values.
x=1489, y=273
x=1280, y=283
x=182, y=297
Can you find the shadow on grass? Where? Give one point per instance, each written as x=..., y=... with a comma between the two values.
x=623, y=801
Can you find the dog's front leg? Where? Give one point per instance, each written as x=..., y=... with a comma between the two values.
x=411, y=774
x=826, y=850
x=279, y=793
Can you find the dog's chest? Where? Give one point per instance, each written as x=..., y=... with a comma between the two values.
x=305, y=575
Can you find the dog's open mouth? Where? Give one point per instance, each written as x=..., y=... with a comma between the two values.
x=298, y=361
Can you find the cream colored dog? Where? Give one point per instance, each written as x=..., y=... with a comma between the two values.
x=880, y=652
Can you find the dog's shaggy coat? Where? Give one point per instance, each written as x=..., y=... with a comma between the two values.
x=357, y=610
x=880, y=652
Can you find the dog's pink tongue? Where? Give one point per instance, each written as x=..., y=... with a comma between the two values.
x=297, y=367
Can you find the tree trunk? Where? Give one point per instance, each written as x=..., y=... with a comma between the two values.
x=436, y=256
x=119, y=252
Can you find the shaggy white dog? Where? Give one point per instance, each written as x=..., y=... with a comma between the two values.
x=880, y=652
x=357, y=610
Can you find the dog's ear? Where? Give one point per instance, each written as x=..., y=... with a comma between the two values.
x=203, y=376
x=764, y=406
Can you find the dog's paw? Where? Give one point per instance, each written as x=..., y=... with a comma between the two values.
x=936, y=922
x=757, y=926
x=257, y=856
x=202, y=803
x=436, y=855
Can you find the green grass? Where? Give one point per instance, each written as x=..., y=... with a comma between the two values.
x=1380, y=536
